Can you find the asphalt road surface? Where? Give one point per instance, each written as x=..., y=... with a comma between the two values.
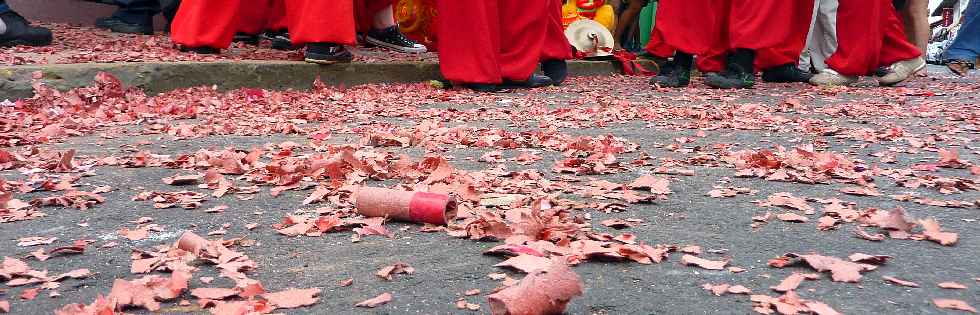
x=687, y=126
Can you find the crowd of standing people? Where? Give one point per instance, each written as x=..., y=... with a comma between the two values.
x=491, y=44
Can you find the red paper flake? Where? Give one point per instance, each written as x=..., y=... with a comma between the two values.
x=703, y=263
x=397, y=268
x=292, y=298
x=379, y=300
x=901, y=282
x=952, y=304
x=951, y=285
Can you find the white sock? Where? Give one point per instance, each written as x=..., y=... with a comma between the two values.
x=3, y=27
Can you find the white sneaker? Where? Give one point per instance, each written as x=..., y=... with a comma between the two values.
x=830, y=77
x=901, y=71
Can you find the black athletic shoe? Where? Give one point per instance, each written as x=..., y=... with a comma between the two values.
x=731, y=79
x=121, y=26
x=672, y=80
x=672, y=77
x=280, y=40
x=246, y=38
x=535, y=81
x=392, y=38
x=785, y=74
x=201, y=50
x=555, y=69
x=739, y=72
x=20, y=32
x=327, y=53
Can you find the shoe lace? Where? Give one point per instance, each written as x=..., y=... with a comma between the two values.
x=399, y=38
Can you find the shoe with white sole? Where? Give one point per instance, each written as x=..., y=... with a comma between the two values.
x=393, y=39
x=901, y=71
x=830, y=77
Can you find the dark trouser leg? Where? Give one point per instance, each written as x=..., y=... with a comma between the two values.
x=137, y=11
x=169, y=9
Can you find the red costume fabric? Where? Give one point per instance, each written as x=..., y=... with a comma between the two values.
x=213, y=23
x=252, y=18
x=690, y=26
x=869, y=35
x=319, y=21
x=488, y=41
x=277, y=19
x=205, y=23
x=776, y=29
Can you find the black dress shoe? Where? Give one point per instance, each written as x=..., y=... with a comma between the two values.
x=535, y=81
x=201, y=50
x=785, y=74
x=327, y=53
x=20, y=32
x=555, y=69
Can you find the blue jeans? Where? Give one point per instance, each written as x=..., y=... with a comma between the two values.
x=4, y=7
x=966, y=46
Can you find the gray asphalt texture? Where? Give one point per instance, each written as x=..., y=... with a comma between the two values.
x=446, y=267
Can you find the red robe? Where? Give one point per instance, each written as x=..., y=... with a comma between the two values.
x=776, y=29
x=488, y=41
x=869, y=35
x=213, y=23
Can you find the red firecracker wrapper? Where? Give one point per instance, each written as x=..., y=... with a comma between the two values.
x=192, y=243
x=543, y=291
x=409, y=206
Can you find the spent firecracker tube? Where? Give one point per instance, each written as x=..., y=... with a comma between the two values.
x=543, y=291
x=409, y=206
x=192, y=243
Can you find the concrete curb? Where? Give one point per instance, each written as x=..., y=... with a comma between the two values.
x=157, y=77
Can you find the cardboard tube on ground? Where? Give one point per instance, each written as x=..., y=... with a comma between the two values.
x=409, y=206
x=545, y=291
x=192, y=243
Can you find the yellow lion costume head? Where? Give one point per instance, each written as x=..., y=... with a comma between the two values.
x=597, y=10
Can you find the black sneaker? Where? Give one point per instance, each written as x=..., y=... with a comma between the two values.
x=739, y=71
x=130, y=28
x=672, y=77
x=392, y=38
x=20, y=32
x=246, y=38
x=785, y=74
x=327, y=53
x=555, y=69
x=535, y=81
x=731, y=79
x=280, y=40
